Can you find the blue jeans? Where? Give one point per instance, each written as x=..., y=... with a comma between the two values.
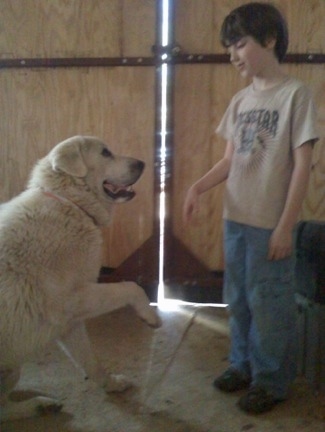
x=260, y=296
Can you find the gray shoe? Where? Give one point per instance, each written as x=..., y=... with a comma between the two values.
x=257, y=401
x=231, y=380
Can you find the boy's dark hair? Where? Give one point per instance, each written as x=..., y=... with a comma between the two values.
x=262, y=21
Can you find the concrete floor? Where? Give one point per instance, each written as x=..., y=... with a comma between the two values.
x=172, y=369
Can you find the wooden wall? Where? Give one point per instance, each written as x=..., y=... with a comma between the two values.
x=202, y=94
x=40, y=107
x=60, y=28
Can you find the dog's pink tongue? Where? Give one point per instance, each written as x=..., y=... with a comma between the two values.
x=111, y=188
x=116, y=189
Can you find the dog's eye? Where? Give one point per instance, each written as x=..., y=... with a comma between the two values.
x=106, y=152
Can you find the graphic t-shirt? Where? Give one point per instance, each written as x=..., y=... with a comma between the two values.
x=265, y=126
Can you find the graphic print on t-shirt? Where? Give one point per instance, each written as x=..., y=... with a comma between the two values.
x=265, y=127
x=254, y=128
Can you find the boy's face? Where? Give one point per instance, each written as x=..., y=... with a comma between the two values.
x=250, y=58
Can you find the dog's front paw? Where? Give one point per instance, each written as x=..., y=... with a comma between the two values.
x=141, y=305
x=151, y=317
x=116, y=383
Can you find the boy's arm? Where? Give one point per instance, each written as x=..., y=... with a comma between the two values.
x=281, y=242
x=212, y=178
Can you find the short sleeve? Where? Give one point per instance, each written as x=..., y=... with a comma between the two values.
x=227, y=123
x=303, y=124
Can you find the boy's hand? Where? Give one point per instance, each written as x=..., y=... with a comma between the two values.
x=281, y=244
x=191, y=204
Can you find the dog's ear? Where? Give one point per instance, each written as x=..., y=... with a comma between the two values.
x=67, y=157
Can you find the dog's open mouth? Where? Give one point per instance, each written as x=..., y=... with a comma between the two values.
x=116, y=192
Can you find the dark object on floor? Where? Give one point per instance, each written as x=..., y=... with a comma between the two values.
x=310, y=287
x=310, y=264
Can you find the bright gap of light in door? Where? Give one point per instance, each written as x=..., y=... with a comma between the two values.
x=163, y=150
x=162, y=302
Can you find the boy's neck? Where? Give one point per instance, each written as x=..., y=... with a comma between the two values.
x=269, y=78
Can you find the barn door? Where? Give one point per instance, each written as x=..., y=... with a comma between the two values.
x=98, y=68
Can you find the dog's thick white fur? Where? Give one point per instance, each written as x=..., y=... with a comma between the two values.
x=50, y=257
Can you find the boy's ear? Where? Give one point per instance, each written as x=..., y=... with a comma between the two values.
x=270, y=43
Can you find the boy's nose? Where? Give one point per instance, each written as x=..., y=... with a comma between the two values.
x=233, y=55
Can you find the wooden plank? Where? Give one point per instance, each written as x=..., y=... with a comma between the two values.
x=74, y=28
x=192, y=152
x=202, y=93
x=194, y=30
x=306, y=25
x=139, y=19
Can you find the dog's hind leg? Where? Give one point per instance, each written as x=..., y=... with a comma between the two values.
x=77, y=346
x=11, y=410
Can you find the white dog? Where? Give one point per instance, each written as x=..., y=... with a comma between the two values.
x=50, y=257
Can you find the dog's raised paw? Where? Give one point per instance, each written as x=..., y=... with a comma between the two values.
x=152, y=318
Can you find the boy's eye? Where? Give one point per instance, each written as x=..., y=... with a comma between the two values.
x=240, y=44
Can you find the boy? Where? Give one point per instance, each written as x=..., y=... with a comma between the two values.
x=270, y=131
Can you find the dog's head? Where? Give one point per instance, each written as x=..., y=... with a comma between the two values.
x=108, y=175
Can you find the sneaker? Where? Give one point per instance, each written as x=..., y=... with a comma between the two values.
x=231, y=380
x=257, y=401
